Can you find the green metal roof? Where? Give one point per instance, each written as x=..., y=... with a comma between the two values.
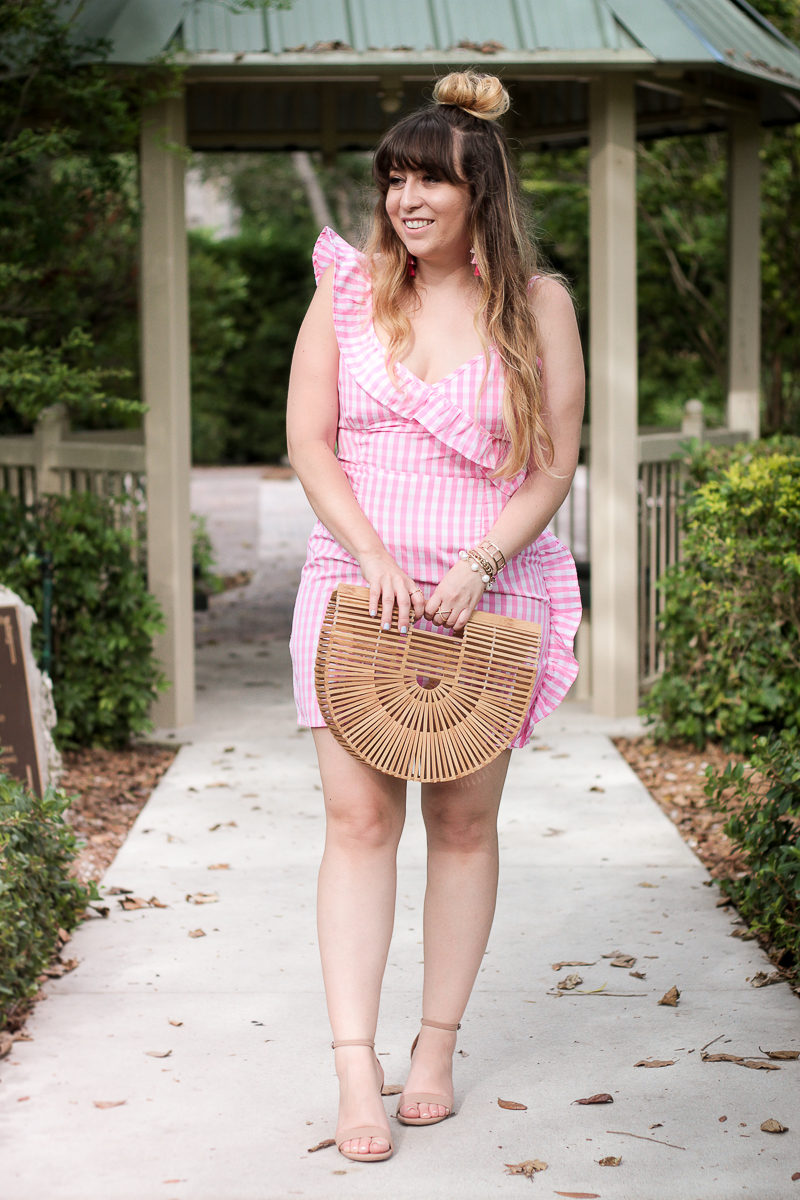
x=726, y=34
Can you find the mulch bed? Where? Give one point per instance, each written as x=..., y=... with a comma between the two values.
x=674, y=775
x=108, y=789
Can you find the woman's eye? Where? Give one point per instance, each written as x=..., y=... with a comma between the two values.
x=395, y=181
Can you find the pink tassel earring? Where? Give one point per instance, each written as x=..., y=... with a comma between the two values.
x=473, y=258
x=412, y=265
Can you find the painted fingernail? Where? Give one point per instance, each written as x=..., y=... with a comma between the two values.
x=373, y=612
x=387, y=626
x=404, y=629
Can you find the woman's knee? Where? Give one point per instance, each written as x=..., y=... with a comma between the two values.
x=363, y=820
x=452, y=826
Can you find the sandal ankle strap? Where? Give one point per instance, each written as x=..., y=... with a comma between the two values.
x=353, y=1042
x=441, y=1025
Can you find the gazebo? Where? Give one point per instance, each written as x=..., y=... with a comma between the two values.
x=329, y=75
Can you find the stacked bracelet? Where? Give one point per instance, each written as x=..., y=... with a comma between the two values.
x=485, y=558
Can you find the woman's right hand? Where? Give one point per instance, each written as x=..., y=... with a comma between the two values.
x=389, y=585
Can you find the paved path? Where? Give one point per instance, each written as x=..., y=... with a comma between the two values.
x=218, y=1044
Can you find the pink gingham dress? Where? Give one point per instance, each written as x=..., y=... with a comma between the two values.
x=419, y=460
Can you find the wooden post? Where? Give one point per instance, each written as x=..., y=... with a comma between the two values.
x=165, y=387
x=744, y=273
x=614, y=396
x=48, y=435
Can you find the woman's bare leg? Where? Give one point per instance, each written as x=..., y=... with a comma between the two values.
x=461, y=823
x=365, y=811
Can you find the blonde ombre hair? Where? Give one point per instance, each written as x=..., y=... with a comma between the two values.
x=457, y=139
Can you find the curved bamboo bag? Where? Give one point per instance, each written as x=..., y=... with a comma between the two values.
x=423, y=705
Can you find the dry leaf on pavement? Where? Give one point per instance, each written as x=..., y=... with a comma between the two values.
x=761, y=979
x=573, y=963
x=108, y=1103
x=755, y=1064
x=197, y=933
x=569, y=982
x=600, y=1098
x=623, y=960
x=783, y=1055
x=512, y=1104
x=219, y=867
x=392, y=1089
x=655, y=1062
x=670, y=998
x=610, y=1160
x=158, y=1053
x=528, y=1168
x=773, y=1126
x=322, y=1145
x=579, y=1195
x=202, y=897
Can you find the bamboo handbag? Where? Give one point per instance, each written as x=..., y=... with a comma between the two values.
x=423, y=705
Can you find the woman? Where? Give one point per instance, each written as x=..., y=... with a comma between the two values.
x=435, y=406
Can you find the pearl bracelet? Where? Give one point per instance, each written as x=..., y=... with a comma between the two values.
x=478, y=563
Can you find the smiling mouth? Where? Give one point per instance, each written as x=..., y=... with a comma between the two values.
x=417, y=224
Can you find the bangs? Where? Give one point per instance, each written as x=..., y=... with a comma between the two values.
x=422, y=142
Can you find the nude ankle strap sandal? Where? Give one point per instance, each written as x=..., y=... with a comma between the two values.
x=409, y=1098
x=363, y=1131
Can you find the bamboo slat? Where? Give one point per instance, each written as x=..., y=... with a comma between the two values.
x=425, y=706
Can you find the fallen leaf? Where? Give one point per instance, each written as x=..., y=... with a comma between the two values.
x=322, y=1145
x=610, y=1160
x=595, y=788
x=656, y=1125
x=158, y=1053
x=645, y=884
x=131, y=902
x=197, y=933
x=220, y=825
x=600, y=1098
x=655, y=1062
x=512, y=1104
x=60, y=967
x=783, y=1055
x=569, y=982
x=579, y=1195
x=670, y=998
x=154, y=902
x=108, y=1103
x=761, y=979
x=573, y=963
x=178, y=1023
x=754, y=1064
x=623, y=960
x=638, y=974
x=796, y=1176
x=391, y=1089
x=220, y=867
x=773, y=1126
x=528, y=1168
x=202, y=897
x=6, y=1042
x=118, y=891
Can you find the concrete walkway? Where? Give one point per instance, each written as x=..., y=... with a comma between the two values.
x=214, y=1049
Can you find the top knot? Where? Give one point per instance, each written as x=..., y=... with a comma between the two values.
x=479, y=95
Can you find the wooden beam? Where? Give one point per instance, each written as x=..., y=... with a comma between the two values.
x=744, y=273
x=614, y=396
x=164, y=306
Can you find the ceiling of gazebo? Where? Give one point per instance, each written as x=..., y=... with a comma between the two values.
x=330, y=74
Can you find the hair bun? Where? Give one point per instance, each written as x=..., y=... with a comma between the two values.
x=480, y=95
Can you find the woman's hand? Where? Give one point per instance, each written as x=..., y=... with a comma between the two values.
x=456, y=596
x=389, y=585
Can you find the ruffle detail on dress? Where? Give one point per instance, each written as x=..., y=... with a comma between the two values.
x=560, y=664
x=427, y=404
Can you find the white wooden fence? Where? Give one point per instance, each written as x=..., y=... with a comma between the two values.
x=55, y=459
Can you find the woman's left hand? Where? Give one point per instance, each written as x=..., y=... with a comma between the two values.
x=455, y=597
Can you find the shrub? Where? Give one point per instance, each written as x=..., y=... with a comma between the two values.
x=37, y=896
x=104, y=673
x=763, y=800
x=731, y=618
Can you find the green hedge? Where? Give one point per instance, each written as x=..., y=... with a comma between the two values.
x=731, y=618
x=762, y=803
x=37, y=896
x=105, y=675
